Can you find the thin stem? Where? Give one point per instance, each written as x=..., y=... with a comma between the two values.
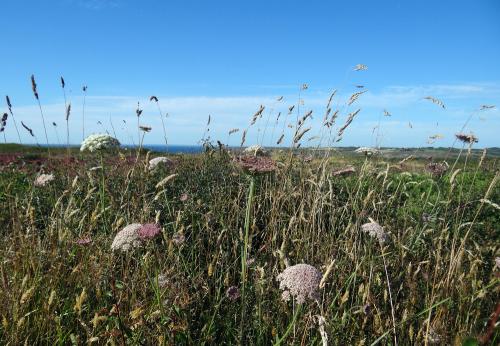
x=102, y=194
x=244, y=255
x=290, y=326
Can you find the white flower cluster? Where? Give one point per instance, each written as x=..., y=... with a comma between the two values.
x=43, y=179
x=367, y=151
x=97, y=142
x=161, y=160
x=127, y=238
x=375, y=230
x=300, y=281
x=256, y=150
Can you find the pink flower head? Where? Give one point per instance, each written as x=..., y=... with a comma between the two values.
x=84, y=241
x=184, y=197
x=149, y=231
x=233, y=293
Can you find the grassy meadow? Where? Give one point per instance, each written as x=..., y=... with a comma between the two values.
x=286, y=246
x=210, y=276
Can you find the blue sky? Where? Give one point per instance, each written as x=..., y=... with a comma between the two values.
x=226, y=58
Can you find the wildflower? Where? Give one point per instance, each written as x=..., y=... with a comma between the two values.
x=233, y=293
x=161, y=160
x=375, y=230
x=255, y=150
x=43, y=179
x=466, y=138
x=127, y=238
x=184, y=197
x=256, y=164
x=300, y=281
x=436, y=169
x=178, y=238
x=149, y=231
x=99, y=142
x=433, y=337
x=367, y=151
x=162, y=280
x=84, y=241
x=344, y=171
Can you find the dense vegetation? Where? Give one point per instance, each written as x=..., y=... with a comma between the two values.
x=210, y=278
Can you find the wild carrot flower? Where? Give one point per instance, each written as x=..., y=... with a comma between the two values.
x=300, y=281
x=43, y=179
x=160, y=161
x=99, y=142
x=127, y=238
x=184, y=197
x=178, y=238
x=149, y=231
x=256, y=164
x=162, y=280
x=83, y=241
x=375, y=230
x=255, y=150
x=367, y=151
x=436, y=169
x=233, y=293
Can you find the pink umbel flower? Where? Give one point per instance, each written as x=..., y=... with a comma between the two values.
x=233, y=293
x=149, y=231
x=301, y=282
x=83, y=241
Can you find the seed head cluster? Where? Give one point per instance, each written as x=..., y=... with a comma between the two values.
x=300, y=282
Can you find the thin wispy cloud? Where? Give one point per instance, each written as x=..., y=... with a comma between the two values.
x=188, y=115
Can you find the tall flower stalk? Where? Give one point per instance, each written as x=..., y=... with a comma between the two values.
x=100, y=143
x=9, y=105
x=84, y=89
x=155, y=99
x=35, y=92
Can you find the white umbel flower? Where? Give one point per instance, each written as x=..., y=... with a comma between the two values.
x=160, y=161
x=43, y=179
x=127, y=238
x=367, y=151
x=99, y=142
x=256, y=150
x=375, y=230
x=300, y=281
